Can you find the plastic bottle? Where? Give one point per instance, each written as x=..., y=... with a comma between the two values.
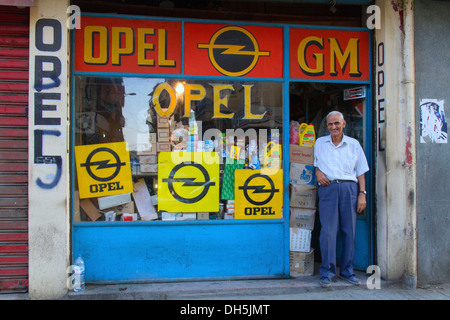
x=301, y=129
x=253, y=153
x=79, y=270
x=293, y=132
x=307, y=137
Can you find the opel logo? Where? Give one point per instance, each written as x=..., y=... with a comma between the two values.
x=233, y=51
x=189, y=182
x=103, y=164
x=258, y=189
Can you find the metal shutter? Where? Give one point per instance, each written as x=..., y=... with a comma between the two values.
x=14, y=42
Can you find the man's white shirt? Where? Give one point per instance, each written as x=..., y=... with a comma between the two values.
x=345, y=161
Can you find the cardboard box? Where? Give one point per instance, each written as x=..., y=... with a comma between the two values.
x=147, y=149
x=202, y=215
x=300, y=173
x=301, y=263
x=124, y=208
x=90, y=209
x=300, y=240
x=143, y=201
x=163, y=135
x=130, y=217
x=150, y=159
x=303, y=196
x=163, y=146
x=301, y=154
x=162, y=122
x=148, y=163
x=187, y=216
x=147, y=167
x=113, y=201
x=302, y=218
x=169, y=216
x=178, y=216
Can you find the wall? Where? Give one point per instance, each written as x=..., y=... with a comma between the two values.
x=432, y=51
x=395, y=157
x=48, y=150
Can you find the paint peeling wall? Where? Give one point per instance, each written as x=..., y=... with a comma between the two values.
x=48, y=146
x=395, y=149
x=432, y=52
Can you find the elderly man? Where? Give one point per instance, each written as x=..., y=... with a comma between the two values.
x=340, y=167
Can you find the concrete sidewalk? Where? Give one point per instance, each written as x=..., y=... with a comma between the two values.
x=299, y=288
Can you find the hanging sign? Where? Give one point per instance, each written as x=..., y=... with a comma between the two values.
x=103, y=169
x=323, y=54
x=258, y=195
x=355, y=93
x=188, y=181
x=235, y=51
x=128, y=45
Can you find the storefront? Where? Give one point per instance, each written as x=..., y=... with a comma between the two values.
x=180, y=141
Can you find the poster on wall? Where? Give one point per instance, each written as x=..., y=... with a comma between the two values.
x=433, y=127
x=103, y=169
x=258, y=195
x=188, y=181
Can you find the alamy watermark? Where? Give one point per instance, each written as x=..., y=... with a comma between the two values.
x=73, y=21
x=374, y=20
x=374, y=280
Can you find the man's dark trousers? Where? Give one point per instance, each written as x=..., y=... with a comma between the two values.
x=337, y=208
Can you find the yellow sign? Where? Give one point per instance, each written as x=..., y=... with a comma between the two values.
x=258, y=195
x=188, y=181
x=103, y=169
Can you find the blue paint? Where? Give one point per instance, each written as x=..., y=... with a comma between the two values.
x=132, y=251
x=39, y=158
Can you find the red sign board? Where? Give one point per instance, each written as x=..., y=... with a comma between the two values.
x=128, y=45
x=236, y=51
x=319, y=54
x=155, y=47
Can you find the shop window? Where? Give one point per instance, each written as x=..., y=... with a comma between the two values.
x=168, y=150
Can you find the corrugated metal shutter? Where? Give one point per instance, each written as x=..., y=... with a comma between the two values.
x=14, y=40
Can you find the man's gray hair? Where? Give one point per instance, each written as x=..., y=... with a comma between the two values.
x=335, y=112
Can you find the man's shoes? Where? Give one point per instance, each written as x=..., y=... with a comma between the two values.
x=325, y=282
x=351, y=279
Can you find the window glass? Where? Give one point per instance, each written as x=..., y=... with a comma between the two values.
x=153, y=128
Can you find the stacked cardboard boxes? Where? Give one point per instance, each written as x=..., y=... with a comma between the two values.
x=303, y=194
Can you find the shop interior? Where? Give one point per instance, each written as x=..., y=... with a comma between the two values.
x=310, y=103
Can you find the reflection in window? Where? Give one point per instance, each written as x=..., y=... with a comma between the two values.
x=241, y=121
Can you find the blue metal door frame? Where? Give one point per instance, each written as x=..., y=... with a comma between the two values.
x=215, y=249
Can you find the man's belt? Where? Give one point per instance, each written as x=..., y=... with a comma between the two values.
x=341, y=181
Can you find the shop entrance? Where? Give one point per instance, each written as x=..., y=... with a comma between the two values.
x=310, y=103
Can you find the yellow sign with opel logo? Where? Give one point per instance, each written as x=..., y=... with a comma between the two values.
x=258, y=195
x=103, y=169
x=188, y=181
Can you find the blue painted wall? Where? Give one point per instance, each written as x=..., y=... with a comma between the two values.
x=156, y=251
